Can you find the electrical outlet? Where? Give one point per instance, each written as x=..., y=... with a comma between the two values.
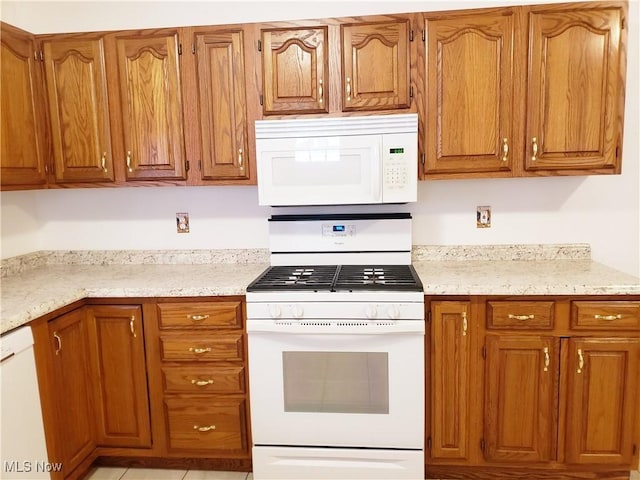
x=182, y=222
x=483, y=217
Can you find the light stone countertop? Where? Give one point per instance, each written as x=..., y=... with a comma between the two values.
x=44, y=286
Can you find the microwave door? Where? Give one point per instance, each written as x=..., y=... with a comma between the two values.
x=320, y=170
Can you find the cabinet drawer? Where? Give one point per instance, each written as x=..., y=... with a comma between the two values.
x=206, y=424
x=200, y=315
x=203, y=379
x=605, y=315
x=206, y=348
x=520, y=315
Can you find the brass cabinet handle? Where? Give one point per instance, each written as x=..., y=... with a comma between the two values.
x=580, y=361
x=59, y=341
x=131, y=326
x=201, y=383
x=240, y=160
x=547, y=359
x=465, y=324
x=198, y=318
x=129, y=161
x=103, y=162
x=320, y=91
x=534, y=147
x=521, y=317
x=505, y=149
x=199, y=350
x=348, y=89
x=607, y=317
x=207, y=428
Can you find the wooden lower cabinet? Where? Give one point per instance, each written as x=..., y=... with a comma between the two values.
x=550, y=386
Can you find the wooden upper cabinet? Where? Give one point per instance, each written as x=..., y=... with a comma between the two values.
x=22, y=131
x=375, y=66
x=602, y=399
x=223, y=106
x=520, y=398
x=295, y=70
x=469, y=93
x=151, y=105
x=78, y=109
x=574, y=112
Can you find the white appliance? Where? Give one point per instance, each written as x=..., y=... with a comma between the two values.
x=23, y=450
x=336, y=351
x=338, y=160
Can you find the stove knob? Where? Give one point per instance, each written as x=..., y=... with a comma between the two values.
x=393, y=312
x=370, y=311
x=274, y=311
x=297, y=311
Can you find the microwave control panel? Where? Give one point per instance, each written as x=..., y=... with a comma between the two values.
x=399, y=169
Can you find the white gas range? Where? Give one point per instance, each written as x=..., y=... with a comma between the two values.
x=336, y=350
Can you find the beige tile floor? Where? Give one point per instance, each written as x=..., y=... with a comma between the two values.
x=116, y=473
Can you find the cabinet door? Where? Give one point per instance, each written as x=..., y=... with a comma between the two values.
x=223, y=105
x=71, y=393
x=78, y=109
x=22, y=121
x=469, y=93
x=573, y=111
x=120, y=385
x=295, y=70
x=151, y=106
x=449, y=390
x=602, y=400
x=521, y=393
x=375, y=64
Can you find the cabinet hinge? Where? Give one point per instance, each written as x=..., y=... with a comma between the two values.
x=179, y=49
x=41, y=56
x=411, y=35
x=429, y=443
x=193, y=48
x=635, y=449
x=200, y=164
x=187, y=166
x=259, y=45
x=429, y=316
x=424, y=36
x=622, y=23
x=422, y=158
x=484, y=353
x=261, y=100
x=618, y=152
x=482, y=444
x=410, y=92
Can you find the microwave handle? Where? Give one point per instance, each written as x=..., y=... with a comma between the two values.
x=376, y=175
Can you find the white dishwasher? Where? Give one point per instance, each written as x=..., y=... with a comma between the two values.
x=23, y=450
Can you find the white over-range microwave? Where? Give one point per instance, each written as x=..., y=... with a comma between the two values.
x=337, y=160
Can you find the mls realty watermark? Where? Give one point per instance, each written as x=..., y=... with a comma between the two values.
x=27, y=466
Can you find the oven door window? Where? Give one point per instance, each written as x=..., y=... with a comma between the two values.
x=336, y=382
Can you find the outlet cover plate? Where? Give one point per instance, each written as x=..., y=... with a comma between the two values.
x=483, y=216
x=182, y=222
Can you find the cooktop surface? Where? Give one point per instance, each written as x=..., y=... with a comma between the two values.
x=338, y=278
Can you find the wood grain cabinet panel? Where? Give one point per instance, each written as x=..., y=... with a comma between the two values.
x=573, y=117
x=200, y=315
x=120, y=388
x=151, y=106
x=375, y=66
x=203, y=379
x=202, y=348
x=520, y=315
x=295, y=70
x=450, y=380
x=223, y=104
x=22, y=129
x=469, y=92
x=605, y=315
x=78, y=109
x=602, y=400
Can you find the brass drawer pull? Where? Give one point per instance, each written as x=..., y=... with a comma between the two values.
x=608, y=317
x=201, y=383
x=521, y=317
x=204, y=429
x=320, y=91
x=199, y=350
x=103, y=162
x=580, y=361
x=465, y=324
x=547, y=360
x=59, y=341
x=197, y=318
x=534, y=147
x=132, y=327
x=505, y=149
x=129, y=161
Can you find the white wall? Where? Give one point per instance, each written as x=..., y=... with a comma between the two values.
x=603, y=211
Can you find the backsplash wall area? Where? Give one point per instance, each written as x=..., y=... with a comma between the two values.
x=603, y=211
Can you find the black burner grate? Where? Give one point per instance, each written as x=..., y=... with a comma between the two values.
x=320, y=277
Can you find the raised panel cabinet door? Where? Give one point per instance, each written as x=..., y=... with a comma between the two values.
x=450, y=357
x=151, y=106
x=78, y=110
x=21, y=121
x=521, y=379
x=72, y=381
x=469, y=93
x=375, y=65
x=602, y=400
x=295, y=70
x=223, y=104
x=120, y=385
x=574, y=119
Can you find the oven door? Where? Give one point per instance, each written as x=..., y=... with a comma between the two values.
x=337, y=389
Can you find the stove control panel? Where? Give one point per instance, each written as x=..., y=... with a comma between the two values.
x=338, y=230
